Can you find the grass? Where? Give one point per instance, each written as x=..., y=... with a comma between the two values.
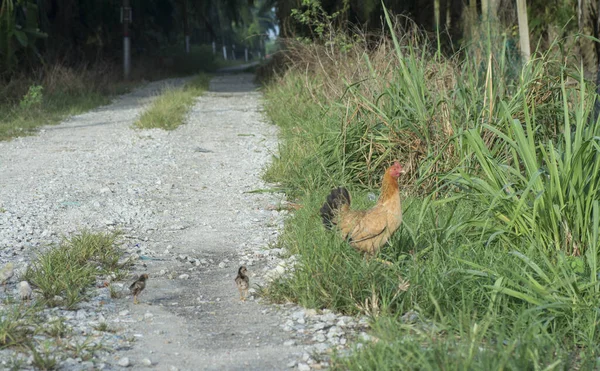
x=15, y=326
x=68, y=270
x=168, y=110
x=64, y=273
x=499, y=242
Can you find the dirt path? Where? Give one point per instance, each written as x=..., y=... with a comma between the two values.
x=199, y=323
x=181, y=199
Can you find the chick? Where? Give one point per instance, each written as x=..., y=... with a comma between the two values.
x=25, y=290
x=243, y=282
x=138, y=286
x=6, y=274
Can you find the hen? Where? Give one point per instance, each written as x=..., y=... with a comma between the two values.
x=138, y=286
x=366, y=230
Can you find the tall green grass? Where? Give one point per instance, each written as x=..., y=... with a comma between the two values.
x=499, y=241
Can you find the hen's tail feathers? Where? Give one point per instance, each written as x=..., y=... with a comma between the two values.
x=338, y=197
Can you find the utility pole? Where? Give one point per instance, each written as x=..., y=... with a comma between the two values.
x=186, y=27
x=126, y=19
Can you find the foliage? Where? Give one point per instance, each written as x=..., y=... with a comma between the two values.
x=499, y=241
x=547, y=191
x=33, y=98
x=19, y=32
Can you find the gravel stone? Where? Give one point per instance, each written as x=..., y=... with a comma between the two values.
x=124, y=362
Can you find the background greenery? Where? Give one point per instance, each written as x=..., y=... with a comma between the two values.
x=499, y=243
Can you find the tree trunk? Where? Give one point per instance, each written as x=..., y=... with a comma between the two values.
x=523, y=30
x=456, y=10
x=443, y=14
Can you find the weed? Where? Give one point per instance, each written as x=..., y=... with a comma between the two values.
x=114, y=292
x=15, y=364
x=83, y=349
x=33, y=98
x=169, y=109
x=68, y=270
x=57, y=328
x=44, y=359
x=104, y=327
x=16, y=326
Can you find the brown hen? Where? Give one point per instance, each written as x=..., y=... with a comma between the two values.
x=366, y=230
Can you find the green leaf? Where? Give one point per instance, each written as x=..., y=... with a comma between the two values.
x=21, y=37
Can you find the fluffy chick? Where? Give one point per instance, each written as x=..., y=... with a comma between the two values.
x=6, y=274
x=243, y=282
x=25, y=291
x=138, y=286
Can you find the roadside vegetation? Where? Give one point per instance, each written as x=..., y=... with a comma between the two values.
x=64, y=273
x=496, y=263
x=55, y=92
x=62, y=277
x=169, y=109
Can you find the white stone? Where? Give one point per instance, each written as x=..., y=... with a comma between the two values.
x=146, y=362
x=124, y=362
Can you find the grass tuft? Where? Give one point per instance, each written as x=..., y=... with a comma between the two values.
x=168, y=111
x=65, y=272
x=15, y=326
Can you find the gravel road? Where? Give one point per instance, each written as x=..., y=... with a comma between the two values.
x=184, y=201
